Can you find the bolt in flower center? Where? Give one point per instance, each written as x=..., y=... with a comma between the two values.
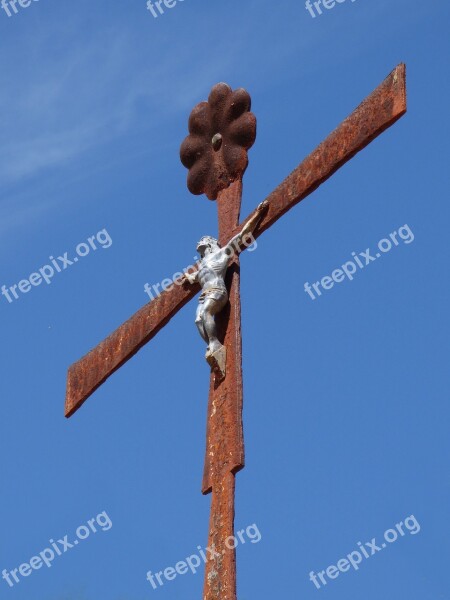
x=217, y=141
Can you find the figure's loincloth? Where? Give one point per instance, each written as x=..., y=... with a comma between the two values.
x=219, y=294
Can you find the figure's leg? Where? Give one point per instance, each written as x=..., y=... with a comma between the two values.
x=199, y=321
x=211, y=307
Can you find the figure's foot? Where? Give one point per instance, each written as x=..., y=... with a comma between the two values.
x=217, y=360
x=214, y=346
x=212, y=349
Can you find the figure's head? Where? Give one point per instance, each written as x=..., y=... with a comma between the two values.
x=206, y=245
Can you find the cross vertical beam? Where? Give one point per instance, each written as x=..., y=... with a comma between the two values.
x=224, y=438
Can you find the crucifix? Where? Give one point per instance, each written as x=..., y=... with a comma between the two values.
x=221, y=131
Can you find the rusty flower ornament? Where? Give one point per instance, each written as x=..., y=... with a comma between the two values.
x=221, y=131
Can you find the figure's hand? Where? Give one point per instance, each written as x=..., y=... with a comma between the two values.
x=187, y=278
x=263, y=206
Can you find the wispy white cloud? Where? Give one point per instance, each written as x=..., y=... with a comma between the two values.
x=68, y=103
x=61, y=104
x=76, y=92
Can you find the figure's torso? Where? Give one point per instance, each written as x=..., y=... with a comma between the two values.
x=213, y=268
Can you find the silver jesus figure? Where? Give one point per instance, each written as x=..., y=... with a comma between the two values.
x=211, y=277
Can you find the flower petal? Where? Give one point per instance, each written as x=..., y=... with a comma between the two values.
x=240, y=103
x=199, y=175
x=242, y=131
x=192, y=149
x=199, y=120
x=235, y=159
x=218, y=101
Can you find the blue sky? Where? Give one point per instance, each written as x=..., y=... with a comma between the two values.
x=346, y=396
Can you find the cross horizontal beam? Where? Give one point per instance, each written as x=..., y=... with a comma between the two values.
x=86, y=375
x=377, y=112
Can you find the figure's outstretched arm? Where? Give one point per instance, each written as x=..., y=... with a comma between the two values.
x=250, y=226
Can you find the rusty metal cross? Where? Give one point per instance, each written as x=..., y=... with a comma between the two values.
x=215, y=152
